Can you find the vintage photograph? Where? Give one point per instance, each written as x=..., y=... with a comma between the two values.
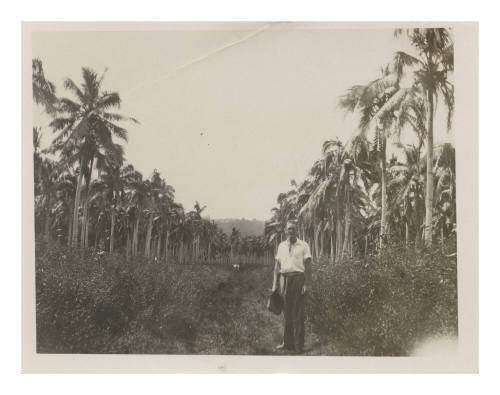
x=241, y=188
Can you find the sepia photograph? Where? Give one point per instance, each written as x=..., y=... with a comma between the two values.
x=263, y=189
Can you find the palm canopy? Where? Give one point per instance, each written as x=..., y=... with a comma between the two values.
x=407, y=178
x=369, y=98
x=432, y=64
x=87, y=122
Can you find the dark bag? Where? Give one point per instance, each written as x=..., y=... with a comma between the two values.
x=275, y=303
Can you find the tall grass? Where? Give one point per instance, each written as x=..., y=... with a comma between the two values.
x=383, y=305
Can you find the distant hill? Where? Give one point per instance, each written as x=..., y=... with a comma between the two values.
x=247, y=227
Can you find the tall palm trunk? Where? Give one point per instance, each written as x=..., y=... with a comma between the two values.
x=167, y=236
x=351, y=243
x=147, y=247
x=383, y=216
x=181, y=251
x=74, y=241
x=158, y=244
x=47, y=221
x=87, y=227
x=347, y=228
x=112, y=231
x=70, y=229
x=135, y=237
x=129, y=243
x=87, y=200
x=317, y=231
x=339, y=241
x=429, y=190
x=418, y=223
x=96, y=240
x=321, y=242
x=406, y=219
x=407, y=233
x=193, y=248
x=332, y=240
x=83, y=232
x=418, y=234
x=196, y=246
x=442, y=238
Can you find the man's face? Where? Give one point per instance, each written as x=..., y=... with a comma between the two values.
x=291, y=232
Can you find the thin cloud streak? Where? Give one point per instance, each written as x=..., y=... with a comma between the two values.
x=203, y=57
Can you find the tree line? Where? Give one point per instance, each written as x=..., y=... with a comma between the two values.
x=89, y=197
x=355, y=200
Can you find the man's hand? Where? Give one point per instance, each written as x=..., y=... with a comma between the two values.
x=274, y=288
x=304, y=289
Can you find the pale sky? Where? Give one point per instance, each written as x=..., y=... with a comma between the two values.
x=228, y=114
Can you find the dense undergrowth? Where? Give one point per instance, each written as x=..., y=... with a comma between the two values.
x=383, y=305
x=111, y=305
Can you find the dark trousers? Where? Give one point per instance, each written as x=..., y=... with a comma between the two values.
x=293, y=309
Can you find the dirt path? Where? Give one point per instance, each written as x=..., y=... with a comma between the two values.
x=235, y=319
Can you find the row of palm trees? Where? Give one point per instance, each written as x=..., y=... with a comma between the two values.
x=91, y=198
x=355, y=200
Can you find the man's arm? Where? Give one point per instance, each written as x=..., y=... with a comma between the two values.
x=307, y=273
x=276, y=274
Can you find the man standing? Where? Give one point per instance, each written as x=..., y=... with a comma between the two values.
x=293, y=271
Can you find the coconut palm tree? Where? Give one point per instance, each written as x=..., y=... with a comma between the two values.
x=88, y=127
x=110, y=165
x=165, y=208
x=45, y=187
x=235, y=242
x=337, y=199
x=173, y=215
x=110, y=186
x=63, y=211
x=318, y=211
x=194, y=217
x=368, y=100
x=275, y=227
x=445, y=190
x=433, y=61
x=136, y=202
x=37, y=159
x=407, y=192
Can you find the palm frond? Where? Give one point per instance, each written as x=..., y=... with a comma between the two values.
x=118, y=117
x=109, y=100
x=350, y=100
x=447, y=91
x=386, y=112
x=44, y=91
x=90, y=83
x=71, y=86
x=403, y=60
